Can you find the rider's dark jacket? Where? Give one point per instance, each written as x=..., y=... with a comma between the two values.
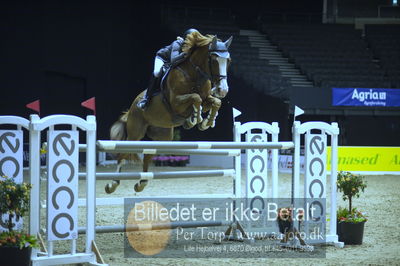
x=172, y=54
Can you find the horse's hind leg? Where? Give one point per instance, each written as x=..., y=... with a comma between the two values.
x=111, y=187
x=143, y=182
x=135, y=128
x=122, y=158
x=155, y=133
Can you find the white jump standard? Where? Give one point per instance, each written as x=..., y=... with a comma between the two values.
x=11, y=156
x=63, y=147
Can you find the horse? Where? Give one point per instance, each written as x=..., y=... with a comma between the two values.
x=195, y=86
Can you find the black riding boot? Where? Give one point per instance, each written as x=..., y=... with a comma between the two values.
x=142, y=104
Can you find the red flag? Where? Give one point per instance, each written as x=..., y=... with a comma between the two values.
x=35, y=105
x=90, y=104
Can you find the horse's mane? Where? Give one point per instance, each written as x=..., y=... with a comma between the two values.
x=194, y=40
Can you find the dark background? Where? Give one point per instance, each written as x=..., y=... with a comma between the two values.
x=64, y=52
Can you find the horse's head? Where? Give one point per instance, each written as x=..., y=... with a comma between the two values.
x=219, y=59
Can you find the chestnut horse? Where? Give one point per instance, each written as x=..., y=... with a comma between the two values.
x=194, y=86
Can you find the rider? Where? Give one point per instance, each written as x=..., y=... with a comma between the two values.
x=171, y=55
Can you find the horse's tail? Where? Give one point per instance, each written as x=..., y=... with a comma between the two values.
x=118, y=132
x=118, y=129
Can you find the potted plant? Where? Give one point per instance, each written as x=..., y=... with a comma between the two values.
x=15, y=246
x=350, y=221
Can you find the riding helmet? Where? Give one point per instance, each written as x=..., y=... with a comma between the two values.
x=187, y=32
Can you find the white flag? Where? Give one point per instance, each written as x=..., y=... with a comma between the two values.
x=235, y=113
x=298, y=111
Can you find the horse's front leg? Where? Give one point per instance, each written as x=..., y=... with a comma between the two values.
x=212, y=105
x=181, y=103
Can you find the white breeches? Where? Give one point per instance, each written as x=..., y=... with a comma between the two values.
x=158, y=64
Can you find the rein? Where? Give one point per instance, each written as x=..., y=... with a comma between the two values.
x=203, y=74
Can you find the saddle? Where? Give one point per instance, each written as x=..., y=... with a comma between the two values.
x=164, y=74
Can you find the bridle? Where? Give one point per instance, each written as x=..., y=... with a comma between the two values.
x=215, y=47
x=205, y=76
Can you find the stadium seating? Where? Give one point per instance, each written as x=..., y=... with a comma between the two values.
x=384, y=41
x=331, y=55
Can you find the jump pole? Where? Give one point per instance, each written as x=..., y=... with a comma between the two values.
x=126, y=146
x=109, y=201
x=219, y=152
x=154, y=226
x=162, y=175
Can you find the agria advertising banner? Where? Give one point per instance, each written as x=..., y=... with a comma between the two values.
x=365, y=97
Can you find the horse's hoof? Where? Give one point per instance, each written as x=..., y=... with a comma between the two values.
x=187, y=125
x=109, y=188
x=191, y=122
x=140, y=186
x=205, y=125
x=213, y=121
x=202, y=127
x=199, y=119
x=213, y=124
